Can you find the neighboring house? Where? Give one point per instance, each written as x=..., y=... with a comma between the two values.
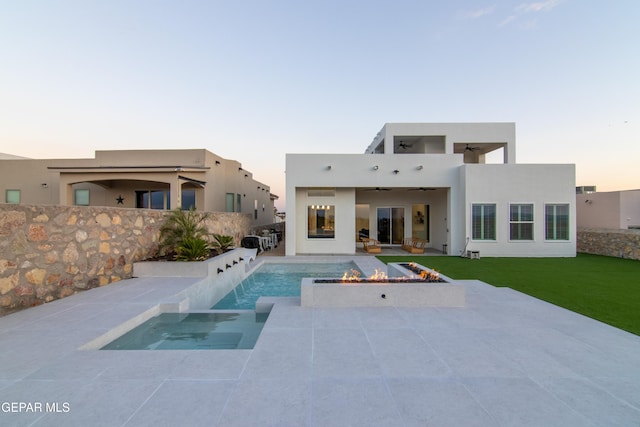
x=151, y=179
x=609, y=209
x=430, y=181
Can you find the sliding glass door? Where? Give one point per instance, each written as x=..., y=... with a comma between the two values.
x=391, y=225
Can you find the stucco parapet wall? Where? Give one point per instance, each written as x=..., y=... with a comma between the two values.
x=618, y=243
x=50, y=252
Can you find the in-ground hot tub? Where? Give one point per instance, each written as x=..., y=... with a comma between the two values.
x=405, y=285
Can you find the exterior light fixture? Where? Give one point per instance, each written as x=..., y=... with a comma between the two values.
x=375, y=168
x=396, y=171
x=44, y=185
x=217, y=162
x=329, y=167
x=419, y=167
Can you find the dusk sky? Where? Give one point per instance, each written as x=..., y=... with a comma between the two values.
x=253, y=80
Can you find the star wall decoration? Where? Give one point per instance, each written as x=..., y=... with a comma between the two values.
x=120, y=200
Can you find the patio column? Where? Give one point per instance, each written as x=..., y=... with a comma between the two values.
x=175, y=190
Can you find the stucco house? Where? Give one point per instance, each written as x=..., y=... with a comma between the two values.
x=609, y=209
x=148, y=179
x=430, y=181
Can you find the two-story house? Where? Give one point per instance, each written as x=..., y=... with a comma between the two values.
x=430, y=181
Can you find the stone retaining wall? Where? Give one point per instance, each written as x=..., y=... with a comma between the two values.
x=609, y=242
x=50, y=252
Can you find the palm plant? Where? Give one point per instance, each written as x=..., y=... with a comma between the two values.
x=183, y=226
x=221, y=242
x=192, y=249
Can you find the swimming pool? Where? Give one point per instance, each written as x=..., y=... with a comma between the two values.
x=278, y=280
x=194, y=331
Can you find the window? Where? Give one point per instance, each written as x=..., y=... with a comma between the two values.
x=188, y=199
x=154, y=199
x=521, y=222
x=390, y=225
x=238, y=202
x=81, y=197
x=556, y=222
x=483, y=222
x=362, y=222
x=12, y=196
x=321, y=221
x=229, y=202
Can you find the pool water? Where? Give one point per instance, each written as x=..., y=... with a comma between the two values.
x=194, y=331
x=278, y=280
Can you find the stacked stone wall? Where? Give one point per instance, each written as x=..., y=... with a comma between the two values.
x=609, y=242
x=50, y=252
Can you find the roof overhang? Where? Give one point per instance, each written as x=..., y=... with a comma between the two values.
x=115, y=169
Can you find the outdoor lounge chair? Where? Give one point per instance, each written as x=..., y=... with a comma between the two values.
x=371, y=246
x=413, y=245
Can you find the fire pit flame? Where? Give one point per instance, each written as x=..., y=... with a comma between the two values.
x=418, y=275
x=354, y=276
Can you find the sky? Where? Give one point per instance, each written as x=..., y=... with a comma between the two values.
x=252, y=80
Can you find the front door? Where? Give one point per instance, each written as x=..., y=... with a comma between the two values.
x=391, y=225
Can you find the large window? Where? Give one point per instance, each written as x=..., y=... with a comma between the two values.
x=152, y=199
x=362, y=222
x=12, y=196
x=81, y=197
x=556, y=222
x=321, y=221
x=521, y=221
x=483, y=221
x=390, y=225
x=161, y=199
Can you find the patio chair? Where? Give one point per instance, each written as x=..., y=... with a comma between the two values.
x=413, y=245
x=371, y=246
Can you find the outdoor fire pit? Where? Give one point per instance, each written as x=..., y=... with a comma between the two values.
x=409, y=285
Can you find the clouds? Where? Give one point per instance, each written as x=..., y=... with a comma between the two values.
x=525, y=10
x=479, y=13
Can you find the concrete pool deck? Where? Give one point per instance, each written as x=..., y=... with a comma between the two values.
x=505, y=359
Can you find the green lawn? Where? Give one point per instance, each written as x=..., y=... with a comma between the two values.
x=604, y=288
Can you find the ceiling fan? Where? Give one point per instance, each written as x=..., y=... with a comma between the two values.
x=404, y=145
x=470, y=148
x=378, y=189
x=421, y=189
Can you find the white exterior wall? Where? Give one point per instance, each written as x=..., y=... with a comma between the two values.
x=349, y=171
x=506, y=184
x=457, y=186
x=454, y=133
x=345, y=226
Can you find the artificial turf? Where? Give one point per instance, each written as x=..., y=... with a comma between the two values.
x=603, y=288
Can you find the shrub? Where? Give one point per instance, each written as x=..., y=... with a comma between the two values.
x=181, y=226
x=222, y=243
x=192, y=249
